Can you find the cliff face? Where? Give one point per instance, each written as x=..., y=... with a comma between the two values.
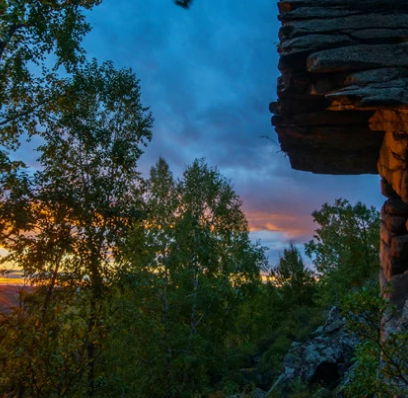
x=343, y=105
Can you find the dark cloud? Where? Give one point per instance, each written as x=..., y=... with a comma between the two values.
x=208, y=75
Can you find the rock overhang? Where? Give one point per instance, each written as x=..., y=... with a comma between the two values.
x=344, y=65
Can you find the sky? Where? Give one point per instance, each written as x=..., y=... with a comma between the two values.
x=208, y=76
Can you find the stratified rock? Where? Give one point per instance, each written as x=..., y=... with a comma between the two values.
x=333, y=162
x=342, y=108
x=313, y=43
x=349, y=138
x=357, y=57
x=340, y=25
x=385, y=234
x=383, y=282
x=344, y=57
x=316, y=12
x=380, y=75
x=370, y=96
x=362, y=5
x=338, y=119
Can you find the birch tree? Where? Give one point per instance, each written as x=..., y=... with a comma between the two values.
x=80, y=206
x=190, y=272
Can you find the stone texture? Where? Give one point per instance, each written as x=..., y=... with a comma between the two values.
x=392, y=162
x=347, y=137
x=383, y=282
x=339, y=119
x=379, y=75
x=399, y=248
x=316, y=12
x=363, y=5
x=342, y=108
x=333, y=162
x=324, y=359
x=387, y=190
x=362, y=56
x=339, y=58
x=345, y=24
x=385, y=234
x=385, y=261
x=396, y=207
x=395, y=224
x=399, y=290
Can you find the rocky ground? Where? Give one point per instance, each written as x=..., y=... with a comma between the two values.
x=324, y=360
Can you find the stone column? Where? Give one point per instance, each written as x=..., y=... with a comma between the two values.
x=393, y=168
x=394, y=247
x=394, y=264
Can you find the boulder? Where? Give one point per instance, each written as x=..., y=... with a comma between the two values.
x=324, y=359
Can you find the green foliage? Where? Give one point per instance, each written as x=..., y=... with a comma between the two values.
x=189, y=258
x=293, y=326
x=32, y=35
x=67, y=228
x=83, y=200
x=363, y=313
x=296, y=282
x=43, y=353
x=345, y=247
x=381, y=365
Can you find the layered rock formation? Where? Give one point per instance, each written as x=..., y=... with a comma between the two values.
x=343, y=105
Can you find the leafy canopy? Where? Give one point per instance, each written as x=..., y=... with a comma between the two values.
x=345, y=247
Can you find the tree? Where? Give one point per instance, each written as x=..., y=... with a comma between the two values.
x=146, y=295
x=33, y=33
x=190, y=270
x=381, y=363
x=79, y=208
x=345, y=248
x=40, y=42
x=296, y=282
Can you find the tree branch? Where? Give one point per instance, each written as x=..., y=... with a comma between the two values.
x=3, y=43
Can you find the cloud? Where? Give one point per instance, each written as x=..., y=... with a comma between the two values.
x=208, y=75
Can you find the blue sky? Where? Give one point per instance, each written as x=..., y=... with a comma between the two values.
x=208, y=75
